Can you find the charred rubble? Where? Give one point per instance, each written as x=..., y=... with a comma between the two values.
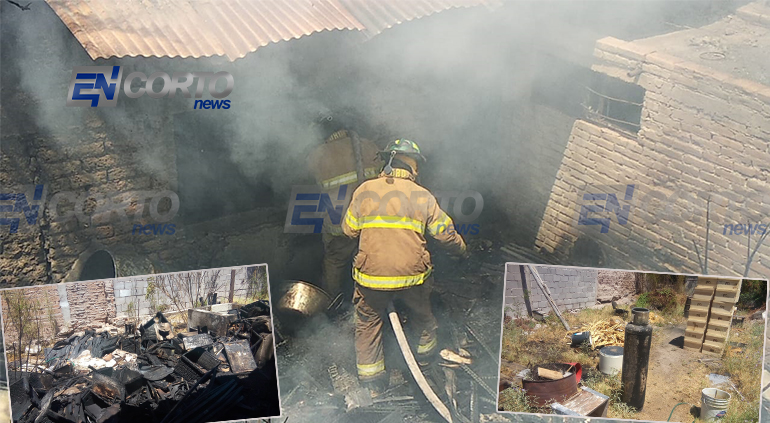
x=152, y=374
x=318, y=369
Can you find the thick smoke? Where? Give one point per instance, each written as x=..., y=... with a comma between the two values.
x=459, y=82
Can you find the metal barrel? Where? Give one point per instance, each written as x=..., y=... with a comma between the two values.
x=636, y=358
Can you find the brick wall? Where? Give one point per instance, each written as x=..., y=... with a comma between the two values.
x=703, y=133
x=91, y=302
x=571, y=289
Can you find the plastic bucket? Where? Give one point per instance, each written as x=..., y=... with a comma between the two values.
x=580, y=338
x=714, y=403
x=611, y=360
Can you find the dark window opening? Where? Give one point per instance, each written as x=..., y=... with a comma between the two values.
x=559, y=84
x=614, y=103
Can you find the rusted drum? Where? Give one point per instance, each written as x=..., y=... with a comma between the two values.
x=542, y=393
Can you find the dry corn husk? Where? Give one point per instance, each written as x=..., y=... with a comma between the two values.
x=655, y=318
x=604, y=333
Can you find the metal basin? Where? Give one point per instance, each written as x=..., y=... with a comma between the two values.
x=303, y=300
x=541, y=393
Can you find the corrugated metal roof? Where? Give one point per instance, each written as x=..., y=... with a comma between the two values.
x=231, y=28
x=380, y=15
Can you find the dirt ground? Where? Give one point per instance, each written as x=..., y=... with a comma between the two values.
x=675, y=375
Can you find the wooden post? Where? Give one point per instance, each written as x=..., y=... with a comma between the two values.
x=232, y=286
x=547, y=295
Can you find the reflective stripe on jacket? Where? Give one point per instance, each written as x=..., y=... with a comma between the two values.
x=333, y=164
x=391, y=215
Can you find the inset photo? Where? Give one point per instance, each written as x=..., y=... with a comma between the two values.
x=5, y=399
x=631, y=345
x=191, y=346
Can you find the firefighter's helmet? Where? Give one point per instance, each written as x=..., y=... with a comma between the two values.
x=402, y=146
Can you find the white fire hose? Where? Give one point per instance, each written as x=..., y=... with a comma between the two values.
x=398, y=330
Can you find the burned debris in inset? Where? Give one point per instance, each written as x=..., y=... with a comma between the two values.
x=153, y=373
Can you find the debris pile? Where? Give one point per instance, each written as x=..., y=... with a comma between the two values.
x=153, y=374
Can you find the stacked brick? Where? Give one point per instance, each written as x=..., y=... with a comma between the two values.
x=722, y=310
x=697, y=319
x=711, y=313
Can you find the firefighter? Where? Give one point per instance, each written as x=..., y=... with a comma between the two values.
x=334, y=166
x=391, y=215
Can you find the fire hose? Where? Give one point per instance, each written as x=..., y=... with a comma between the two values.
x=414, y=368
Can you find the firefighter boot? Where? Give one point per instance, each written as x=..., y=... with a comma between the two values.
x=376, y=386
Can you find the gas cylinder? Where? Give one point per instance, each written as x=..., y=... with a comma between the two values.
x=636, y=358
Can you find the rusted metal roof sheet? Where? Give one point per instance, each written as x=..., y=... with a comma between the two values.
x=231, y=28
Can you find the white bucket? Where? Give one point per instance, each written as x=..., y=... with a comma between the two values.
x=611, y=360
x=714, y=403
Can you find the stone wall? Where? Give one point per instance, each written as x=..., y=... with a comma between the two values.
x=703, y=135
x=85, y=151
x=571, y=288
x=614, y=285
x=119, y=153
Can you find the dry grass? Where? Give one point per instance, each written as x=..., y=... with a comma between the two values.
x=745, y=367
x=515, y=400
x=528, y=342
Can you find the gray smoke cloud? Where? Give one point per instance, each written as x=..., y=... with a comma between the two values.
x=459, y=82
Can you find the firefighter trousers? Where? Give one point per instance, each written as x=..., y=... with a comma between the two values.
x=338, y=255
x=371, y=308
